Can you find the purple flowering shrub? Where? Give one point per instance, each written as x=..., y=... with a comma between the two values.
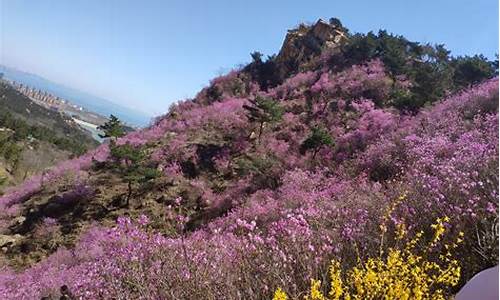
x=252, y=214
x=236, y=255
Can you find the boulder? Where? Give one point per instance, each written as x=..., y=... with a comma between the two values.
x=9, y=240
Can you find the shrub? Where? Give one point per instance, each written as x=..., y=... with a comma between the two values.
x=399, y=273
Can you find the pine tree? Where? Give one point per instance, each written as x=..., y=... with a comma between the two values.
x=112, y=129
x=129, y=162
x=319, y=137
x=472, y=70
x=264, y=110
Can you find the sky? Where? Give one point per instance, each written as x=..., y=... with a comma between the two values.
x=147, y=54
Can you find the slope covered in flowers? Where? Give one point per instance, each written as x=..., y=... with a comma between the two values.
x=244, y=207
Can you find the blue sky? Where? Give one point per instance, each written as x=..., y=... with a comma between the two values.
x=147, y=54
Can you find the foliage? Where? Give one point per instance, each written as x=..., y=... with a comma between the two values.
x=265, y=73
x=399, y=274
x=30, y=122
x=130, y=163
x=11, y=152
x=319, y=137
x=22, y=131
x=298, y=224
x=472, y=70
x=264, y=110
x=430, y=68
x=113, y=128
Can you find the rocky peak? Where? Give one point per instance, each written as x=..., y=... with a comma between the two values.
x=305, y=42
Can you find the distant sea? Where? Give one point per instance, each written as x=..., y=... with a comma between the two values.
x=90, y=102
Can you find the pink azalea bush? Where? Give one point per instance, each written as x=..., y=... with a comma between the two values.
x=280, y=215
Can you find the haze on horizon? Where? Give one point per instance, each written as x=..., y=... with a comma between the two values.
x=148, y=54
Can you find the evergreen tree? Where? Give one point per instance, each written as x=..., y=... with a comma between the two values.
x=129, y=162
x=112, y=129
x=3, y=180
x=473, y=69
x=319, y=137
x=257, y=57
x=430, y=68
x=264, y=110
x=265, y=72
x=12, y=153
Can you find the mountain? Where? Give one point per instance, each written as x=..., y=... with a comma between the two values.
x=90, y=102
x=34, y=137
x=349, y=164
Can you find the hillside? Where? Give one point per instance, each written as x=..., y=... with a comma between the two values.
x=341, y=147
x=34, y=138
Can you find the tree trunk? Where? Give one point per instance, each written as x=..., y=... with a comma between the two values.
x=260, y=130
x=315, y=152
x=325, y=107
x=129, y=185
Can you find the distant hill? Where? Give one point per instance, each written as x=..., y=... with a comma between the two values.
x=91, y=102
x=33, y=137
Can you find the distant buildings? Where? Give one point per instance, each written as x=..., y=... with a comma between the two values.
x=43, y=97
x=56, y=103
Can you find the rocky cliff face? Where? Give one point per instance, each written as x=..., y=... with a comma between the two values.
x=306, y=42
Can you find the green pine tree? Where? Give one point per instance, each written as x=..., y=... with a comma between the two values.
x=112, y=129
x=318, y=138
x=264, y=110
x=130, y=163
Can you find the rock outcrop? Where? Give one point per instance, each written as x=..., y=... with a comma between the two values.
x=306, y=42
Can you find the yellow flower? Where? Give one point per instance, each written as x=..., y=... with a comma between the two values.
x=336, y=289
x=315, y=293
x=400, y=231
x=401, y=274
x=280, y=295
x=439, y=230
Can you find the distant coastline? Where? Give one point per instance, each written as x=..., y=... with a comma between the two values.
x=90, y=102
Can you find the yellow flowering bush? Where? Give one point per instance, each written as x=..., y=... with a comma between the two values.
x=280, y=295
x=399, y=274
